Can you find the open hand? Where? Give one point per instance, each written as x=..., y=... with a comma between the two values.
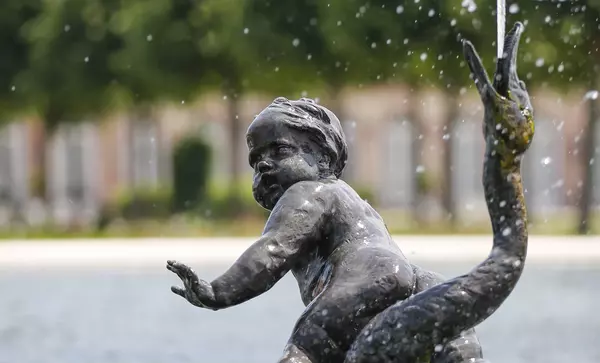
x=197, y=292
x=508, y=122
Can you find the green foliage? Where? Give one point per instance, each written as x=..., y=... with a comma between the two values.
x=74, y=58
x=15, y=52
x=191, y=171
x=220, y=205
x=365, y=193
x=144, y=203
x=67, y=75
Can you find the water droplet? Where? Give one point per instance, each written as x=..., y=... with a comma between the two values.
x=246, y=30
x=149, y=37
x=446, y=137
x=438, y=348
x=86, y=59
x=423, y=56
x=67, y=28
x=502, y=204
x=547, y=160
x=513, y=8
x=13, y=88
x=506, y=231
x=539, y=62
x=399, y=9
x=469, y=5
x=420, y=169
x=591, y=95
x=296, y=42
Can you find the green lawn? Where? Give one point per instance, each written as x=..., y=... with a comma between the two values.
x=397, y=222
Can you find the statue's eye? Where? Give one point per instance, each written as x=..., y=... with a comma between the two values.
x=283, y=149
x=252, y=160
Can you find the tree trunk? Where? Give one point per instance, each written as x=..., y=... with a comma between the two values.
x=448, y=201
x=421, y=187
x=235, y=134
x=589, y=146
x=337, y=108
x=38, y=182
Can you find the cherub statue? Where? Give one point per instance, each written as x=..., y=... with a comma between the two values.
x=365, y=302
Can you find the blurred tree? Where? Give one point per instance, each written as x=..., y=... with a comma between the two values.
x=67, y=75
x=176, y=50
x=436, y=61
x=563, y=53
x=415, y=43
x=15, y=53
x=191, y=173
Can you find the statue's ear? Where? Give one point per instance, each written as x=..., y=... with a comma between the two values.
x=324, y=116
x=308, y=100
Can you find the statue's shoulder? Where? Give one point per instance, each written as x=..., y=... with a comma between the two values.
x=315, y=188
x=307, y=195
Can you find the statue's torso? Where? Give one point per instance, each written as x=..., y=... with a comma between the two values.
x=355, y=248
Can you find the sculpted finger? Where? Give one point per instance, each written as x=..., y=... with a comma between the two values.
x=506, y=77
x=511, y=44
x=188, y=272
x=178, y=270
x=482, y=81
x=178, y=290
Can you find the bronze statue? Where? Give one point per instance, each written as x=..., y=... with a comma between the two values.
x=365, y=302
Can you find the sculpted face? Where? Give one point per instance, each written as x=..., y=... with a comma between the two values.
x=280, y=156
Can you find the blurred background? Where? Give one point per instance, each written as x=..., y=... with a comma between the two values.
x=119, y=114
x=127, y=119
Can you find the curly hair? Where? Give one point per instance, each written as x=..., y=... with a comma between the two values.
x=320, y=123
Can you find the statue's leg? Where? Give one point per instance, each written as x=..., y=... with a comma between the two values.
x=292, y=354
x=333, y=320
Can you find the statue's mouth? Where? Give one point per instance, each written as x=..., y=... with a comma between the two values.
x=267, y=190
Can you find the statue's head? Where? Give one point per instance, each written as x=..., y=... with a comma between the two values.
x=293, y=141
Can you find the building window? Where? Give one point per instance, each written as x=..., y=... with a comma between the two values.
x=467, y=167
x=543, y=170
x=13, y=160
x=144, y=154
x=74, y=155
x=399, y=169
x=5, y=168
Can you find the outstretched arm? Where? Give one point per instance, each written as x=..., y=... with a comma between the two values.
x=463, y=349
x=295, y=223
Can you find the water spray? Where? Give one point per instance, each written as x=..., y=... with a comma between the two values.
x=501, y=23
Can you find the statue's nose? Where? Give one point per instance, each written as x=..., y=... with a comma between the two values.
x=263, y=166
